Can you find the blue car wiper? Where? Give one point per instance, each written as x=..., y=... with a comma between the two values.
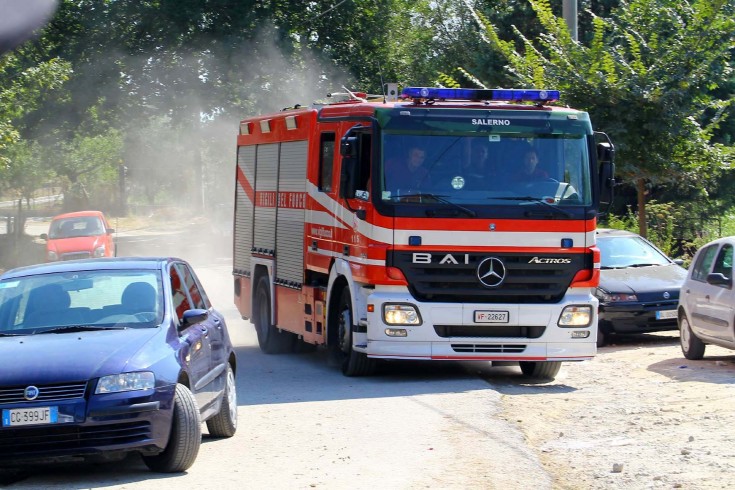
x=78, y=328
x=8, y=334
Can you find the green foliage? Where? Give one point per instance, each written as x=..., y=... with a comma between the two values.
x=22, y=91
x=646, y=76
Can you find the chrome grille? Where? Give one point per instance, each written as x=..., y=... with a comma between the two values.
x=51, y=392
x=437, y=278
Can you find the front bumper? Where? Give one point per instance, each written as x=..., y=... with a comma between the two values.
x=90, y=426
x=449, y=331
x=637, y=317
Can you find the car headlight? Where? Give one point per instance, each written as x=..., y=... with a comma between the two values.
x=51, y=255
x=99, y=251
x=400, y=314
x=116, y=383
x=606, y=297
x=575, y=316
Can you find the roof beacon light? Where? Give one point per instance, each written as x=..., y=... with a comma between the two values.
x=498, y=94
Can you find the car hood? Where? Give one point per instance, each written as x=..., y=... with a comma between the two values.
x=77, y=356
x=75, y=244
x=643, y=279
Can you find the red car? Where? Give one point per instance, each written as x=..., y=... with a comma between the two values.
x=79, y=235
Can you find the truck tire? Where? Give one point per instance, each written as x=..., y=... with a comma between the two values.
x=691, y=346
x=270, y=339
x=546, y=370
x=185, y=438
x=352, y=363
x=224, y=424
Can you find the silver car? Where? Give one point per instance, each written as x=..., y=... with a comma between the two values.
x=707, y=302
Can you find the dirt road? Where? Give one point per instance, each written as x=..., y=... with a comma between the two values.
x=637, y=416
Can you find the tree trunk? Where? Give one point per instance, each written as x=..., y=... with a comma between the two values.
x=640, y=186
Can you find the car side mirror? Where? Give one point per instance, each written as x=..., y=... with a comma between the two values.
x=679, y=262
x=719, y=279
x=193, y=317
x=44, y=236
x=110, y=231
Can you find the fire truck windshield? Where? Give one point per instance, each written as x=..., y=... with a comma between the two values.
x=495, y=169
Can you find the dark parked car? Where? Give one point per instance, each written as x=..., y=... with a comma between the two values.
x=101, y=357
x=639, y=286
x=707, y=302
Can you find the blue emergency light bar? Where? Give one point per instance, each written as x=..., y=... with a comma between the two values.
x=499, y=94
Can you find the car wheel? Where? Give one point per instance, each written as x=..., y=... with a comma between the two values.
x=351, y=362
x=602, y=337
x=546, y=370
x=691, y=346
x=185, y=438
x=270, y=339
x=224, y=424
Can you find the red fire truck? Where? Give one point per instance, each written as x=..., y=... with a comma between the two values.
x=438, y=224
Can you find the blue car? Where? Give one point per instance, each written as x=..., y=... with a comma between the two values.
x=105, y=356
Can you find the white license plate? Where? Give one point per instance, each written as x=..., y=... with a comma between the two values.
x=30, y=416
x=482, y=316
x=665, y=314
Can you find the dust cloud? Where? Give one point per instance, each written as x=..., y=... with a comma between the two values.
x=181, y=157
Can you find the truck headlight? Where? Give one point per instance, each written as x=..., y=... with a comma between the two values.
x=575, y=316
x=401, y=314
x=51, y=256
x=116, y=383
x=99, y=251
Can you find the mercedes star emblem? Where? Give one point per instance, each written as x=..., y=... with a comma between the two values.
x=491, y=272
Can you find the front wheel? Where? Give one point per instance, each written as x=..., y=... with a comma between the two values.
x=691, y=346
x=224, y=424
x=352, y=363
x=185, y=438
x=545, y=370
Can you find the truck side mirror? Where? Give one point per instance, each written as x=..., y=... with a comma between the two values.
x=606, y=159
x=348, y=148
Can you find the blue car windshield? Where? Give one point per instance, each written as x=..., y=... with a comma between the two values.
x=80, y=299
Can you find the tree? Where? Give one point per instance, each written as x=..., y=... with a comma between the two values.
x=84, y=162
x=647, y=78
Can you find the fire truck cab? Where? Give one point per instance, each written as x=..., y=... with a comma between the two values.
x=446, y=224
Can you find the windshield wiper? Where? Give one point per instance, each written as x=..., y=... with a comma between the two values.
x=8, y=334
x=536, y=200
x=79, y=328
x=642, y=265
x=441, y=199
